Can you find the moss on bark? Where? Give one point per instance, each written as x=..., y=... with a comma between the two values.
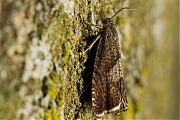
x=41, y=63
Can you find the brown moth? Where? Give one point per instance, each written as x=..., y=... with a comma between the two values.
x=108, y=89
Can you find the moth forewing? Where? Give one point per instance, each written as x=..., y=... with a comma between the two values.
x=108, y=89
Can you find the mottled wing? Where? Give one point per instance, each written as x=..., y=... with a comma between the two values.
x=108, y=92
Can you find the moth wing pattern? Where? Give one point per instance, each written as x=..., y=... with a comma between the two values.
x=108, y=90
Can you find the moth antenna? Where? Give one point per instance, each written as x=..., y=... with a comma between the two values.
x=127, y=8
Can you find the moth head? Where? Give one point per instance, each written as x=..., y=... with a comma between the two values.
x=105, y=21
x=109, y=21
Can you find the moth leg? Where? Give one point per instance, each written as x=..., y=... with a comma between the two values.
x=92, y=43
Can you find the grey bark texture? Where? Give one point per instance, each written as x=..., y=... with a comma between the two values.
x=41, y=64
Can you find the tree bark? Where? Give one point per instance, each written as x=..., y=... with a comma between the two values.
x=41, y=64
x=41, y=60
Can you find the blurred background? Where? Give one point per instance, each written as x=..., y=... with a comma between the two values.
x=153, y=34
x=149, y=38
x=41, y=68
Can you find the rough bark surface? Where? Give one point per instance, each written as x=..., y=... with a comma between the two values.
x=41, y=65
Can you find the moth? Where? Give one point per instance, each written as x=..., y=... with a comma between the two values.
x=108, y=89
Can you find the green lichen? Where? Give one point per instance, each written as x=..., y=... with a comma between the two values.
x=47, y=114
x=66, y=34
x=66, y=51
x=42, y=60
